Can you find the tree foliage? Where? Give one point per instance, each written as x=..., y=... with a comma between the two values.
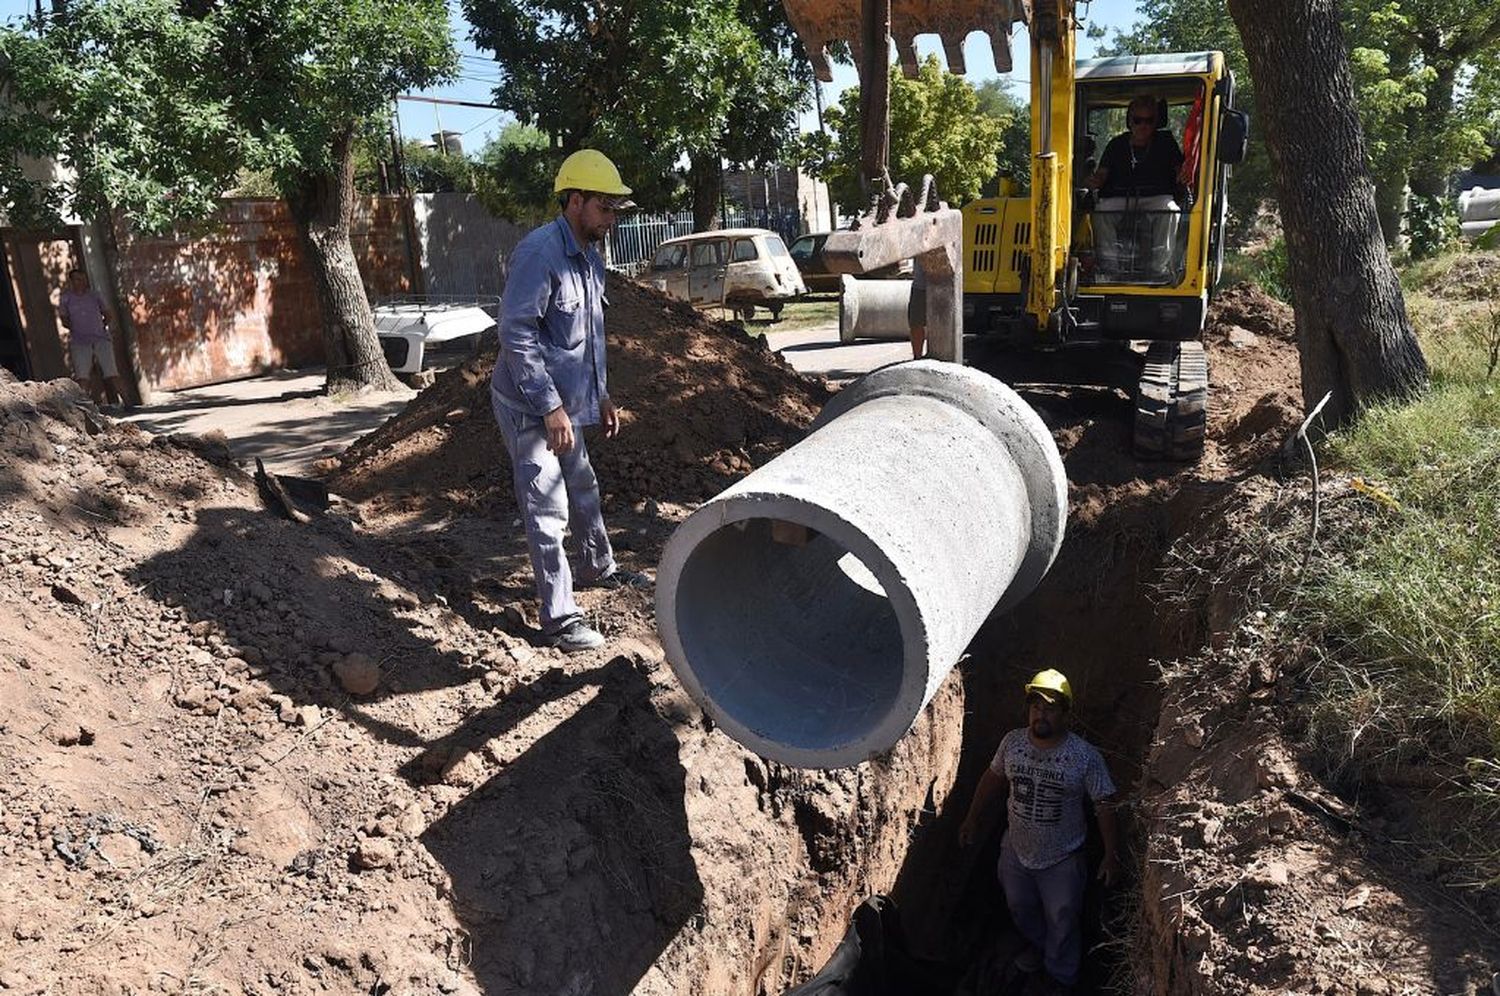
x=154, y=107
x=1013, y=161
x=648, y=84
x=513, y=177
x=1423, y=75
x=936, y=127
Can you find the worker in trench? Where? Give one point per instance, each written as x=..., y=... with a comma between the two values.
x=550, y=382
x=1044, y=771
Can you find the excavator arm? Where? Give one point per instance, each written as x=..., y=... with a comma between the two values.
x=911, y=221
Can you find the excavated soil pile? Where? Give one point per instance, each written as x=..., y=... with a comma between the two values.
x=1255, y=383
x=703, y=404
x=246, y=754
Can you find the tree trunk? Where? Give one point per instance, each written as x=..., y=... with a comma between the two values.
x=1431, y=169
x=1390, y=205
x=707, y=181
x=322, y=206
x=1353, y=333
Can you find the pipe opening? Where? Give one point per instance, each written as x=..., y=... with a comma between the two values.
x=796, y=642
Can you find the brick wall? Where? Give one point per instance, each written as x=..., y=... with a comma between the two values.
x=237, y=297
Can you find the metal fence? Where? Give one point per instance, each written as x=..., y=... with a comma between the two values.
x=630, y=245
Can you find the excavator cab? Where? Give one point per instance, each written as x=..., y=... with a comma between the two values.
x=1060, y=265
x=1141, y=263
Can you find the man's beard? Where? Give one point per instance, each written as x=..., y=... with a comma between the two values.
x=1042, y=728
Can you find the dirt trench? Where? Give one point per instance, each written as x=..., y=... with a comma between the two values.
x=327, y=755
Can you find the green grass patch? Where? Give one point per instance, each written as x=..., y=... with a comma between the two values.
x=1397, y=617
x=799, y=316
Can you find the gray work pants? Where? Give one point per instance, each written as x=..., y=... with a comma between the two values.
x=1047, y=906
x=547, y=488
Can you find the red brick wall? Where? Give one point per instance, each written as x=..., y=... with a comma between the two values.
x=237, y=298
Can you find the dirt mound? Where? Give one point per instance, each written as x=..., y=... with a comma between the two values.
x=703, y=404
x=250, y=755
x=1257, y=877
x=1472, y=276
x=1245, y=306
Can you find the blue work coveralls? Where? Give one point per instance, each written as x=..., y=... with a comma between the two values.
x=552, y=354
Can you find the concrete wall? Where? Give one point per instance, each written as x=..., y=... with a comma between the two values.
x=237, y=297
x=783, y=188
x=464, y=247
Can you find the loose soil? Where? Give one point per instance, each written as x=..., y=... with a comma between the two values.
x=254, y=755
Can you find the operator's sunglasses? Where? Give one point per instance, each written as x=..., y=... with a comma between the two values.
x=1136, y=121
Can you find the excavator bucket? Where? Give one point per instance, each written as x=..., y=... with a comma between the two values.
x=819, y=22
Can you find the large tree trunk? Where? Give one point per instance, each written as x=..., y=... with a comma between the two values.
x=322, y=206
x=707, y=180
x=1390, y=205
x=1431, y=168
x=1353, y=333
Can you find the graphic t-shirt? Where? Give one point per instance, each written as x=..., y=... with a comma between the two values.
x=1047, y=786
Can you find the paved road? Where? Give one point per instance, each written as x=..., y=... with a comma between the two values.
x=819, y=352
x=284, y=418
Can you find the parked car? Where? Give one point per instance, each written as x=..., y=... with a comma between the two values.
x=741, y=268
x=807, y=253
x=411, y=324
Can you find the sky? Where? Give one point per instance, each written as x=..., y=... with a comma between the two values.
x=478, y=73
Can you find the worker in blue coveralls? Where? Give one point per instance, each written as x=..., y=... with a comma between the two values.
x=550, y=382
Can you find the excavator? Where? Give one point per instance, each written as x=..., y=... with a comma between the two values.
x=1070, y=271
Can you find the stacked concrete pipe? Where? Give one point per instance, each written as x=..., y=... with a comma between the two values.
x=814, y=608
x=874, y=309
x=1478, y=211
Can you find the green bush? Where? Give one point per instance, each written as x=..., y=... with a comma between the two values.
x=1269, y=268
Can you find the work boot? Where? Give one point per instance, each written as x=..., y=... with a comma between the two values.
x=575, y=637
x=1028, y=959
x=617, y=579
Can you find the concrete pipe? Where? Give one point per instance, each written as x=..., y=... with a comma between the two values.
x=1475, y=230
x=1479, y=204
x=873, y=309
x=814, y=608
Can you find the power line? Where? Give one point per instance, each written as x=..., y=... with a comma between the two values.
x=445, y=100
x=484, y=122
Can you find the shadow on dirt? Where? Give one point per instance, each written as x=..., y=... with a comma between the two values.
x=564, y=836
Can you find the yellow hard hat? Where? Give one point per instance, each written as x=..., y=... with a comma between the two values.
x=1051, y=685
x=590, y=170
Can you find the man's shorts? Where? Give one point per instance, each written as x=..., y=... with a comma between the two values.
x=916, y=308
x=86, y=353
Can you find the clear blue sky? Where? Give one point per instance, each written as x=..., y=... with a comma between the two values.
x=478, y=73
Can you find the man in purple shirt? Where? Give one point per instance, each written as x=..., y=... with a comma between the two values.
x=549, y=383
x=84, y=315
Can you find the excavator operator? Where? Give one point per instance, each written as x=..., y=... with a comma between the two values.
x=1139, y=173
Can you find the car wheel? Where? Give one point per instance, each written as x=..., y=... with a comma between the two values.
x=775, y=310
x=745, y=311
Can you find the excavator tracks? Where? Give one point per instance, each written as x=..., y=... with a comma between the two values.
x=1171, y=408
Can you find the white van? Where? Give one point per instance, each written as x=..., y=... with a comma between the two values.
x=738, y=268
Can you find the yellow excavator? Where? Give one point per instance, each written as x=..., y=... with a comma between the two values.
x=1101, y=254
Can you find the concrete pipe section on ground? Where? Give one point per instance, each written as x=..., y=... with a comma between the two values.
x=874, y=309
x=814, y=608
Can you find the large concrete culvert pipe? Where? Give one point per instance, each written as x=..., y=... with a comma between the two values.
x=814, y=608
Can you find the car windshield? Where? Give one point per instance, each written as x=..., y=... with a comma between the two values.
x=669, y=258
x=803, y=248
